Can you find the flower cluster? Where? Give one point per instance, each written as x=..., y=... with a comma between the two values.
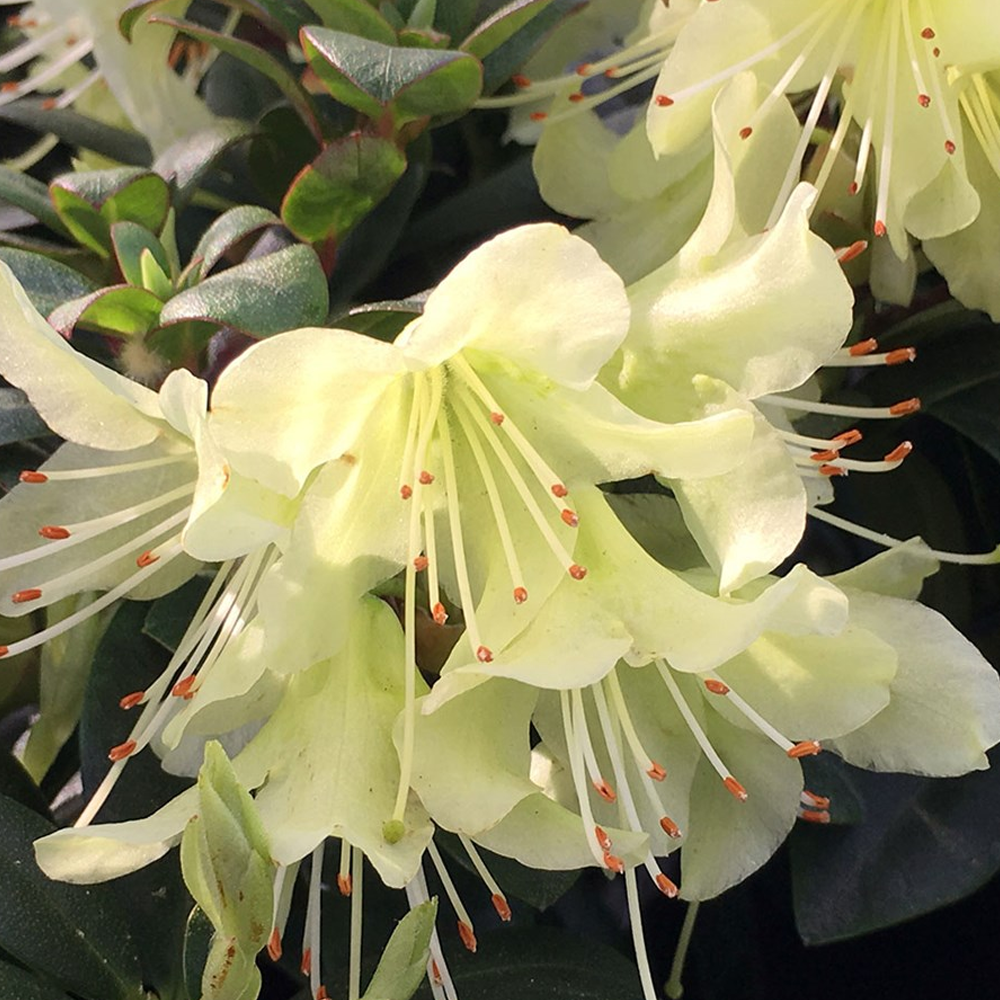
x=525, y=573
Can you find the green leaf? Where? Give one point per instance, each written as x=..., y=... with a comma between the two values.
x=453, y=17
x=925, y=842
x=341, y=186
x=404, y=962
x=47, y=282
x=505, y=41
x=375, y=79
x=282, y=291
x=18, y=984
x=198, y=936
x=74, y=129
x=93, y=954
x=381, y=320
x=170, y=615
x=18, y=419
x=119, y=310
x=31, y=195
x=227, y=230
x=16, y=784
x=260, y=60
x=356, y=17
x=128, y=240
x=278, y=151
x=154, y=278
x=89, y=202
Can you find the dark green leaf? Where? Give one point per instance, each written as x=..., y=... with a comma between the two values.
x=342, y=185
x=171, y=614
x=18, y=984
x=94, y=955
x=541, y=964
x=119, y=310
x=18, y=419
x=260, y=60
x=198, y=936
x=375, y=78
x=16, y=784
x=283, y=144
x=227, y=230
x=189, y=159
x=31, y=195
x=505, y=41
x=381, y=320
x=281, y=291
x=129, y=240
x=78, y=130
x=925, y=842
x=453, y=17
x=47, y=282
x=356, y=17
x=974, y=413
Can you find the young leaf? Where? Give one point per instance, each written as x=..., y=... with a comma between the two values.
x=404, y=962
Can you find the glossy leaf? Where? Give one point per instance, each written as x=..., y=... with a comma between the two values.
x=281, y=291
x=356, y=17
x=119, y=310
x=227, y=230
x=924, y=843
x=129, y=240
x=18, y=419
x=94, y=956
x=189, y=159
x=375, y=79
x=19, y=984
x=47, y=282
x=16, y=784
x=31, y=195
x=341, y=186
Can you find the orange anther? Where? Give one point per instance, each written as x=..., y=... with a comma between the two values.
x=901, y=355
x=502, y=907
x=467, y=935
x=846, y=254
x=520, y=80
x=559, y=490
x=274, y=945
x=936, y=51
x=605, y=791
x=583, y=69
x=344, y=884
x=879, y=228
x=656, y=771
x=662, y=101
x=121, y=751
x=576, y=97
x=33, y=477
x=669, y=827
x=577, y=572
x=4, y=650
x=832, y=470
x=497, y=418
x=405, y=491
x=716, y=686
x=321, y=994
x=814, y=815
x=807, y=748
x=426, y=478
x=538, y=116
x=54, y=532
x=569, y=517
x=146, y=559
x=746, y=132
x=735, y=788
x=439, y=614
x=614, y=862
x=49, y=103
x=603, y=840
x=520, y=595
x=825, y=456
x=852, y=188
x=131, y=700
x=421, y=563
x=924, y=100
x=183, y=688
x=905, y=407
x=612, y=71
x=435, y=973
x=927, y=33
x=306, y=963
x=484, y=654
x=23, y=596
x=863, y=347
x=899, y=452
x=819, y=801
x=848, y=437
x=949, y=147
x=666, y=886
x=8, y=86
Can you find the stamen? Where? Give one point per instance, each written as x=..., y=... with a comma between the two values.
x=99, y=471
x=813, y=800
x=51, y=71
x=596, y=839
x=498, y=899
x=131, y=700
x=901, y=409
x=638, y=938
x=312, y=935
x=465, y=930
x=121, y=751
x=855, y=357
x=357, y=882
x=344, y=874
x=590, y=758
x=405, y=490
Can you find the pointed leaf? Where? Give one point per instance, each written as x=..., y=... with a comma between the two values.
x=128, y=240
x=228, y=229
x=120, y=310
x=356, y=17
x=404, y=962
